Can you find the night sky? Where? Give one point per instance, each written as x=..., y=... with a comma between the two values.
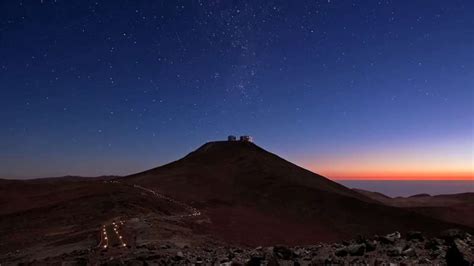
x=349, y=89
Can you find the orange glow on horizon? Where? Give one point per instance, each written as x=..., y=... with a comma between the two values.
x=437, y=160
x=399, y=175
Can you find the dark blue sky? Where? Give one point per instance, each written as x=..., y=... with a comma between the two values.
x=114, y=87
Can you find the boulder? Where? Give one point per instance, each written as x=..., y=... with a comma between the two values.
x=255, y=261
x=459, y=253
x=410, y=252
x=424, y=261
x=433, y=244
x=341, y=252
x=179, y=255
x=414, y=235
x=390, y=238
x=165, y=246
x=370, y=245
x=452, y=234
x=199, y=261
x=283, y=252
x=395, y=251
x=356, y=249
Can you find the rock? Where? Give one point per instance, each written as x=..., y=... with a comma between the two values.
x=395, y=251
x=435, y=253
x=452, y=234
x=459, y=254
x=238, y=250
x=283, y=252
x=360, y=239
x=414, y=235
x=433, y=244
x=356, y=249
x=390, y=238
x=379, y=261
x=341, y=252
x=370, y=245
x=179, y=255
x=424, y=261
x=255, y=261
x=225, y=263
x=410, y=252
x=272, y=261
x=199, y=261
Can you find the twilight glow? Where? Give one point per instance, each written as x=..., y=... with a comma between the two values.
x=438, y=161
x=348, y=90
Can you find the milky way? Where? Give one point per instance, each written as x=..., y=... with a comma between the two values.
x=114, y=87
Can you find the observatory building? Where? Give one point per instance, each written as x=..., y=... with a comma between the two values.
x=244, y=138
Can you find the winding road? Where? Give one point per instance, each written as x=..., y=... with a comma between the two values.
x=110, y=235
x=192, y=211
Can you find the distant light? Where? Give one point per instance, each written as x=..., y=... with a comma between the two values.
x=124, y=244
x=105, y=246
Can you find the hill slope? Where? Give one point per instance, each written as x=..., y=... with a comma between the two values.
x=254, y=197
x=458, y=208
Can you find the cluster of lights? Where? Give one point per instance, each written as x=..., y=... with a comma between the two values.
x=105, y=238
x=104, y=243
x=122, y=243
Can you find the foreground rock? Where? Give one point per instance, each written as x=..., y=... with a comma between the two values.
x=451, y=248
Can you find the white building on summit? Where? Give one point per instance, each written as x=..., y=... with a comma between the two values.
x=244, y=138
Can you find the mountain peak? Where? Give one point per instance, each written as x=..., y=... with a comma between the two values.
x=239, y=166
x=222, y=149
x=244, y=190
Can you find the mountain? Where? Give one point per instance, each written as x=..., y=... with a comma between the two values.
x=254, y=197
x=458, y=208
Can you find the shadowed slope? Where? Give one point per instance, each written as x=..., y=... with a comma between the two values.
x=235, y=165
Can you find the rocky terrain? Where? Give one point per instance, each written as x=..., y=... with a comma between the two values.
x=451, y=247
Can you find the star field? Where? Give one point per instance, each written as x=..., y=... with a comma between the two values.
x=114, y=87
